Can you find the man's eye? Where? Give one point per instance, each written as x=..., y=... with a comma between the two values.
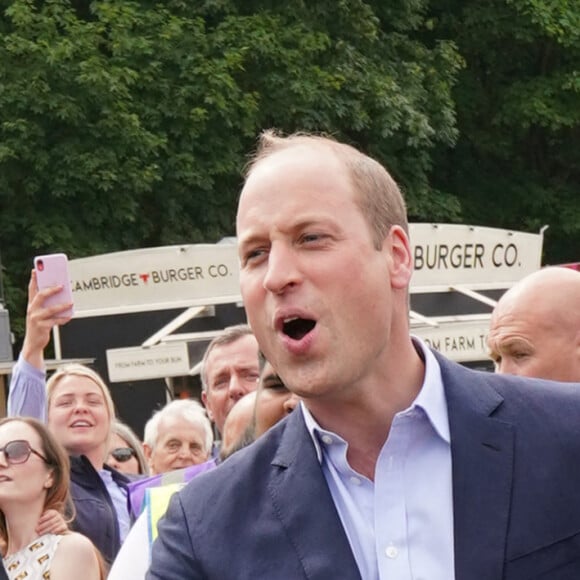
x=253, y=256
x=221, y=384
x=311, y=237
x=277, y=386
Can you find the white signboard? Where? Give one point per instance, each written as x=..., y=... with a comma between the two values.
x=458, y=341
x=205, y=274
x=447, y=254
x=164, y=360
x=155, y=279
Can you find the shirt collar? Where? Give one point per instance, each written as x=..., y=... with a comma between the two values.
x=431, y=399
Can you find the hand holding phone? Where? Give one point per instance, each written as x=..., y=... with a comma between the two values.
x=52, y=270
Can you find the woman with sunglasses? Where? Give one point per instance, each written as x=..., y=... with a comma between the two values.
x=79, y=410
x=126, y=454
x=34, y=477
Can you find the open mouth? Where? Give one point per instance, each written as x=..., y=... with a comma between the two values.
x=297, y=328
x=81, y=424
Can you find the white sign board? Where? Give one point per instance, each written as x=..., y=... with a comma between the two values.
x=155, y=279
x=459, y=341
x=447, y=254
x=205, y=274
x=138, y=363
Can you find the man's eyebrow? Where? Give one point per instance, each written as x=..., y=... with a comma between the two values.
x=513, y=341
x=248, y=241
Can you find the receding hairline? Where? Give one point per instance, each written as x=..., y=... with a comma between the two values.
x=377, y=193
x=553, y=292
x=271, y=143
x=227, y=336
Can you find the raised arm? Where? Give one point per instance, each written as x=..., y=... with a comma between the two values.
x=27, y=393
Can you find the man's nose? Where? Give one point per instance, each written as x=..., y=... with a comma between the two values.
x=237, y=388
x=281, y=269
x=185, y=450
x=291, y=403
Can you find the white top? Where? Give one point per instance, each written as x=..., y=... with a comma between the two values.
x=34, y=561
x=132, y=561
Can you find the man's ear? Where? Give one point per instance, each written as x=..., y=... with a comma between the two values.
x=398, y=248
x=148, y=452
x=207, y=408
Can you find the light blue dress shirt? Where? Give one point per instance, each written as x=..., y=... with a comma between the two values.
x=400, y=527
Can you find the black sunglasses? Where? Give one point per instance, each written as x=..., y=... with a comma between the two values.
x=123, y=454
x=19, y=451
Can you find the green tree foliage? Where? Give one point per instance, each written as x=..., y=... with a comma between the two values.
x=126, y=124
x=517, y=161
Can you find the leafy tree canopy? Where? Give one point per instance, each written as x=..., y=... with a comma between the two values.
x=517, y=161
x=126, y=124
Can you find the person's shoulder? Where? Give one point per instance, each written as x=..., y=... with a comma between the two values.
x=509, y=396
x=541, y=391
x=73, y=541
x=250, y=464
x=507, y=385
x=75, y=554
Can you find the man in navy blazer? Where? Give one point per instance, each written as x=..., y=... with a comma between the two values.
x=398, y=463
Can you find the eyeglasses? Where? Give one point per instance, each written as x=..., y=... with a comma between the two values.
x=19, y=451
x=123, y=454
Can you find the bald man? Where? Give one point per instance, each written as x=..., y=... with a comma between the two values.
x=535, y=327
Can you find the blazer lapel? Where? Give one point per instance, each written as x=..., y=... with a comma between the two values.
x=482, y=451
x=305, y=507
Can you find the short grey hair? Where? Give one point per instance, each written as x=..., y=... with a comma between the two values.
x=228, y=335
x=187, y=409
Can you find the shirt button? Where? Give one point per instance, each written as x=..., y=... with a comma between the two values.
x=355, y=480
x=391, y=552
x=327, y=439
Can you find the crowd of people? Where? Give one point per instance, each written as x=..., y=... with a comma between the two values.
x=345, y=447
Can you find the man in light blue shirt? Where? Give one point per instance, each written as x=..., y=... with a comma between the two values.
x=390, y=521
x=400, y=465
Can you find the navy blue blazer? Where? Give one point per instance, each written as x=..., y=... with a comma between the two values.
x=267, y=513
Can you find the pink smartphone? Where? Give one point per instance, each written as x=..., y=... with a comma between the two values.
x=52, y=270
